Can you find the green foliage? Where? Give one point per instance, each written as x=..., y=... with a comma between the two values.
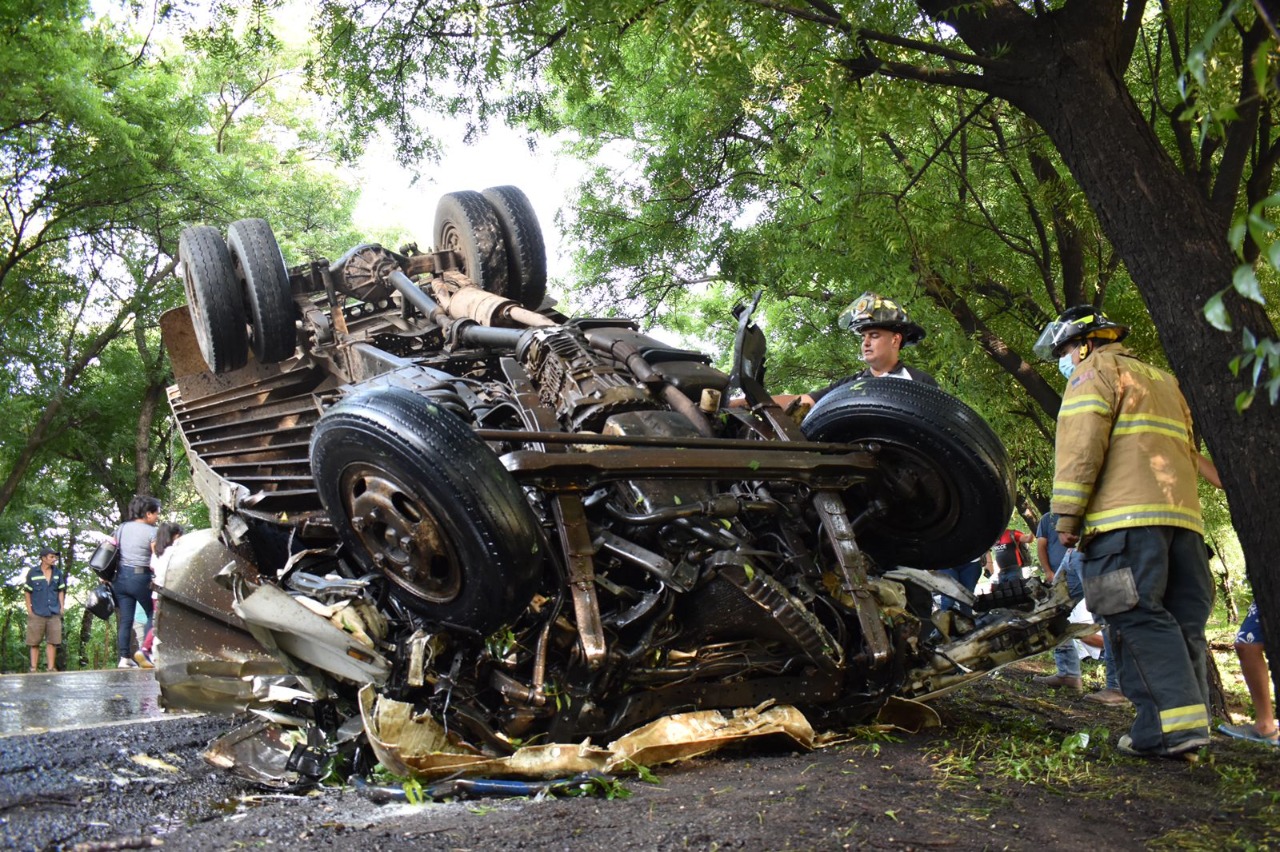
x=642, y=772
x=414, y=792
x=115, y=133
x=598, y=786
x=741, y=145
x=1029, y=758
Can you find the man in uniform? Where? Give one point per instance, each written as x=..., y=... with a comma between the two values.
x=1125, y=492
x=885, y=329
x=45, y=591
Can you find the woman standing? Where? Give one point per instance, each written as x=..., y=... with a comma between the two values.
x=132, y=586
x=167, y=535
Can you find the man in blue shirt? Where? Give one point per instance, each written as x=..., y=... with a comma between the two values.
x=1048, y=547
x=1052, y=554
x=45, y=591
x=1053, y=557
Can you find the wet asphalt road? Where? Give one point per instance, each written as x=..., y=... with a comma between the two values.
x=34, y=703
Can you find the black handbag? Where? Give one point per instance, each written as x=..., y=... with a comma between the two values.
x=105, y=561
x=101, y=602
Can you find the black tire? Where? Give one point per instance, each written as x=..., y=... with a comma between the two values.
x=272, y=336
x=943, y=472
x=213, y=298
x=466, y=223
x=526, y=251
x=418, y=498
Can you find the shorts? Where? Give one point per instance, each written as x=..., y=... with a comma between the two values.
x=1250, y=632
x=44, y=627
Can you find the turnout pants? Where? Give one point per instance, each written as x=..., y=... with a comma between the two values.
x=1153, y=587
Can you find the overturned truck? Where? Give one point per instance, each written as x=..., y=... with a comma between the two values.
x=432, y=491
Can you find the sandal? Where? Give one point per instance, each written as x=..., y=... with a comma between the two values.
x=1249, y=732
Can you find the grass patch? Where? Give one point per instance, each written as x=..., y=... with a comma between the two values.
x=1054, y=761
x=1249, y=807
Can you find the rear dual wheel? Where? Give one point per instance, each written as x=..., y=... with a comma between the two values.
x=497, y=236
x=238, y=294
x=214, y=299
x=267, y=297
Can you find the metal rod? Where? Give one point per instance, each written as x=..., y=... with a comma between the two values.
x=525, y=436
x=413, y=294
x=479, y=335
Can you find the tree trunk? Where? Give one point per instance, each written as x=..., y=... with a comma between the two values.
x=4, y=639
x=142, y=438
x=86, y=636
x=1225, y=584
x=1176, y=252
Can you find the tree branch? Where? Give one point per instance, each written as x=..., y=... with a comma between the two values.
x=945, y=144
x=1240, y=134
x=830, y=21
x=1127, y=35
x=940, y=51
x=864, y=67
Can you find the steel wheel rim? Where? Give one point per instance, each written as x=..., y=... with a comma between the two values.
x=451, y=239
x=403, y=538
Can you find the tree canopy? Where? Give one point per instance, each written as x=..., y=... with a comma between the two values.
x=115, y=133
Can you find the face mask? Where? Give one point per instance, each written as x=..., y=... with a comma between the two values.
x=1065, y=366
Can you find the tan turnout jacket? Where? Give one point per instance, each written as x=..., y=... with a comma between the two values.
x=1125, y=452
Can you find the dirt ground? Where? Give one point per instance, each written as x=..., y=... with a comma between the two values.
x=1007, y=770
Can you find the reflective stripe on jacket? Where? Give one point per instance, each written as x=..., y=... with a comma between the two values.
x=1125, y=454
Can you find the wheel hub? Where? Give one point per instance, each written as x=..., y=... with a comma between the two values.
x=400, y=534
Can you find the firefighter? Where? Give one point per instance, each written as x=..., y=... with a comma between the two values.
x=884, y=329
x=1125, y=490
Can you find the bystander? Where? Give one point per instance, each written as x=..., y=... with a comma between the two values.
x=45, y=591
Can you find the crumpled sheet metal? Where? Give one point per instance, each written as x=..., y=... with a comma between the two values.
x=907, y=715
x=685, y=735
x=258, y=751
x=226, y=686
x=301, y=629
x=418, y=746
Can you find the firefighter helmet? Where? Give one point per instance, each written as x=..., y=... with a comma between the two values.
x=1074, y=324
x=872, y=310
